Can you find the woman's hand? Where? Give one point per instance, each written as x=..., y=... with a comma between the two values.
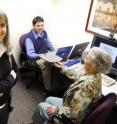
x=58, y=64
x=13, y=74
x=51, y=110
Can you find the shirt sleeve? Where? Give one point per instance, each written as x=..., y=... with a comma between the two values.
x=70, y=73
x=7, y=83
x=31, y=50
x=49, y=44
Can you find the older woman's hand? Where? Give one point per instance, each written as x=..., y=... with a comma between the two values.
x=51, y=110
x=58, y=64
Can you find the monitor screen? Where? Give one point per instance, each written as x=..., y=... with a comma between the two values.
x=64, y=52
x=112, y=50
x=109, y=45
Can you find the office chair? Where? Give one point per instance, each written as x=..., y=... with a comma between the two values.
x=98, y=114
x=23, y=56
x=29, y=70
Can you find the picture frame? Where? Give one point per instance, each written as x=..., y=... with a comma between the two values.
x=102, y=17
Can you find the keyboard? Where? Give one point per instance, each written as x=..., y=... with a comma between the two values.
x=107, y=81
x=72, y=62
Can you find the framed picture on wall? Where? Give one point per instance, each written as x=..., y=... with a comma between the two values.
x=102, y=17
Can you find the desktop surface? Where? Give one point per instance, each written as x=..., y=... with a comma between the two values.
x=111, y=85
x=108, y=85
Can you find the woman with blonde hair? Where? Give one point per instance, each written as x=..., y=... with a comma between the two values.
x=8, y=69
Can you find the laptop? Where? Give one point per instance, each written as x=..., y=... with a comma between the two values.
x=78, y=50
x=64, y=52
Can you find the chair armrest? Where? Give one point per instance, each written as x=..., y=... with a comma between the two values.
x=63, y=118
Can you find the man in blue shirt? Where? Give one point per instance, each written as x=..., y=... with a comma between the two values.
x=37, y=42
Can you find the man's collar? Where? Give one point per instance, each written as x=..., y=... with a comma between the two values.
x=36, y=34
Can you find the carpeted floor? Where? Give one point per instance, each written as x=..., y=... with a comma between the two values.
x=24, y=102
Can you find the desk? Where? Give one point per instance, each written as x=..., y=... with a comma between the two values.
x=112, y=88
x=60, y=80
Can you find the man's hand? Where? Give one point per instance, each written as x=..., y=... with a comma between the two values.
x=51, y=110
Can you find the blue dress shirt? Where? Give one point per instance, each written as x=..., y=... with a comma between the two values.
x=30, y=47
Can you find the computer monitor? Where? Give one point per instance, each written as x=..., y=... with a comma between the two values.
x=64, y=52
x=110, y=46
x=78, y=50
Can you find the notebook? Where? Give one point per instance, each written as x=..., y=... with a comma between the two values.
x=64, y=52
x=61, y=54
x=50, y=57
x=78, y=50
x=107, y=81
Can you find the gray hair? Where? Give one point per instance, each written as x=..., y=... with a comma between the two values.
x=101, y=59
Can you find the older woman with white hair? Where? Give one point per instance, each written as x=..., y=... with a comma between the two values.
x=87, y=89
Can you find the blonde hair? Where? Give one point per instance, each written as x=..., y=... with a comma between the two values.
x=6, y=38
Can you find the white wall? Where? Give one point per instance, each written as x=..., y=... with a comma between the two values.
x=65, y=20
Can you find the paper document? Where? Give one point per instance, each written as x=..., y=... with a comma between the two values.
x=50, y=57
x=107, y=81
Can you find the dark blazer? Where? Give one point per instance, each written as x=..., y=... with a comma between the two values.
x=7, y=81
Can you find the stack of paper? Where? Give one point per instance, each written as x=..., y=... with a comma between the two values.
x=107, y=81
x=50, y=57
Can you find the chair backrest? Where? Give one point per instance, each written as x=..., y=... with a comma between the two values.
x=100, y=114
x=22, y=40
x=23, y=55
